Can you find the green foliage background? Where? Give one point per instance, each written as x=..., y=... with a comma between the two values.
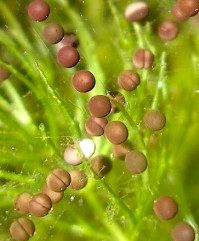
x=40, y=113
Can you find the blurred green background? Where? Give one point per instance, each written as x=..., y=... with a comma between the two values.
x=40, y=113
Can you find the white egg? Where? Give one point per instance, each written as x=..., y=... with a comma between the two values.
x=73, y=156
x=87, y=146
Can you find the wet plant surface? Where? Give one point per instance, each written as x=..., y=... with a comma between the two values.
x=41, y=113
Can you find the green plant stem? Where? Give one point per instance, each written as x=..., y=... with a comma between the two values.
x=161, y=82
x=136, y=230
x=119, y=201
x=123, y=30
x=19, y=109
x=19, y=76
x=111, y=226
x=134, y=126
x=81, y=227
x=58, y=100
x=15, y=177
x=147, y=37
x=113, y=195
x=139, y=34
x=17, y=29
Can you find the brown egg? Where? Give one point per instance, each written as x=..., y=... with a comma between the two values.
x=168, y=30
x=101, y=165
x=183, y=232
x=143, y=58
x=40, y=205
x=54, y=196
x=154, y=120
x=135, y=162
x=83, y=81
x=95, y=126
x=178, y=14
x=22, y=229
x=53, y=33
x=116, y=132
x=38, y=10
x=165, y=208
x=21, y=203
x=128, y=80
x=78, y=179
x=120, y=151
x=99, y=106
x=68, y=57
x=189, y=8
x=58, y=180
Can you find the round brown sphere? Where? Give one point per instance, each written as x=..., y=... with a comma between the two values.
x=58, y=180
x=128, y=80
x=154, y=120
x=120, y=151
x=21, y=203
x=68, y=40
x=188, y=8
x=78, y=180
x=4, y=74
x=83, y=81
x=72, y=155
x=22, y=229
x=168, y=30
x=116, y=132
x=40, y=205
x=143, y=58
x=178, y=14
x=54, y=196
x=136, y=11
x=68, y=57
x=165, y=208
x=95, y=126
x=38, y=10
x=135, y=162
x=183, y=232
x=99, y=106
x=101, y=165
x=53, y=33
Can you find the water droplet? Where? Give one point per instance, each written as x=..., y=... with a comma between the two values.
x=72, y=198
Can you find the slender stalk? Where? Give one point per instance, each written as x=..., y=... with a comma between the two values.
x=111, y=226
x=120, y=203
x=15, y=177
x=161, y=82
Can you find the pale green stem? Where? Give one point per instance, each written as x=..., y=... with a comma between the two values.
x=82, y=226
x=111, y=226
x=19, y=110
x=16, y=28
x=119, y=201
x=161, y=86
x=139, y=34
x=15, y=177
x=147, y=37
x=124, y=33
